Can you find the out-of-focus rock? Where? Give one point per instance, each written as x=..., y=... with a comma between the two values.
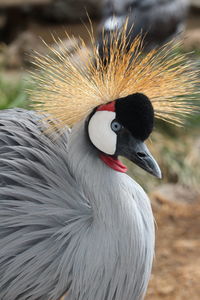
x=66, y=46
x=21, y=51
x=11, y=3
x=70, y=47
x=18, y=53
x=70, y=10
x=193, y=156
x=173, y=201
x=192, y=40
x=183, y=245
x=195, y=3
x=176, y=194
x=3, y=20
x=165, y=289
x=158, y=21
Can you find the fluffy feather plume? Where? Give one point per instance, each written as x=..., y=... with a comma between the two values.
x=69, y=88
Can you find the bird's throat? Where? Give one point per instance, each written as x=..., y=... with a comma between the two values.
x=113, y=163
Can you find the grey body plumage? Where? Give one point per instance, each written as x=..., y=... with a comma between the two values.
x=68, y=222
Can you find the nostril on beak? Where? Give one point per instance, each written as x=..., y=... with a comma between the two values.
x=141, y=154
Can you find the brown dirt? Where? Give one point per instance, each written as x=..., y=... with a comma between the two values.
x=176, y=272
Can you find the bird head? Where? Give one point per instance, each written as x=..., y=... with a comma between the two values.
x=120, y=128
x=118, y=97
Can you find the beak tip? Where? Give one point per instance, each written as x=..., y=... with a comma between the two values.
x=159, y=176
x=157, y=172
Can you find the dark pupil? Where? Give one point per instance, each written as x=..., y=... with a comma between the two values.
x=115, y=126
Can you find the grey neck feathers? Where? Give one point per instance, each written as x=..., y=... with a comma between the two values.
x=99, y=183
x=111, y=194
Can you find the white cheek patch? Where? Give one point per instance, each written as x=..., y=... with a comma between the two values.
x=113, y=23
x=100, y=132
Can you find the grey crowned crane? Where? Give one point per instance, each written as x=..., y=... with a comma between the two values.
x=158, y=21
x=72, y=222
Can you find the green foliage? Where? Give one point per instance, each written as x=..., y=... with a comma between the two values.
x=13, y=94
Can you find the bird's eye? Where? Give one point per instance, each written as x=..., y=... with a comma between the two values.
x=115, y=126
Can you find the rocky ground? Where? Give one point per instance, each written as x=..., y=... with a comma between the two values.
x=176, y=272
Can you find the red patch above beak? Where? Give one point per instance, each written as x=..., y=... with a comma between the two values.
x=109, y=106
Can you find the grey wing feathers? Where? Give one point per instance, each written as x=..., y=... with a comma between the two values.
x=41, y=210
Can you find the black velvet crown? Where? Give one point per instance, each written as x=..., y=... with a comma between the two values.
x=135, y=112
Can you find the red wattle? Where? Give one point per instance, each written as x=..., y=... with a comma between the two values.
x=113, y=163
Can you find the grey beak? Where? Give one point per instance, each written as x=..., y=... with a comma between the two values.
x=142, y=157
x=136, y=151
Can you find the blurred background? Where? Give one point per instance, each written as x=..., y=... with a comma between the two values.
x=175, y=199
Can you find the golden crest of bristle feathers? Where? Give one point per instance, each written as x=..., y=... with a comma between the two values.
x=69, y=86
